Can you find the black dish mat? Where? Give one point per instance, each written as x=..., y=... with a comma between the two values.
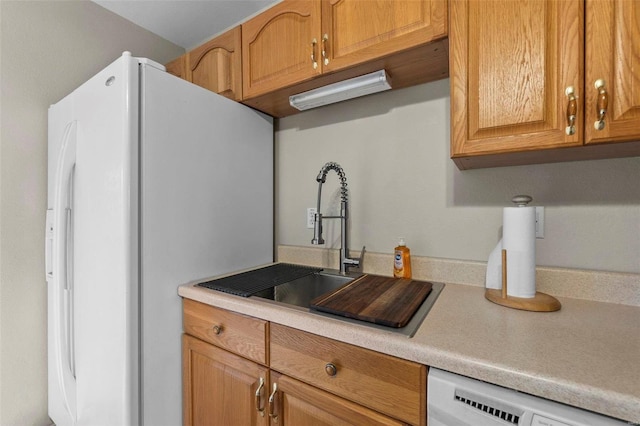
x=248, y=283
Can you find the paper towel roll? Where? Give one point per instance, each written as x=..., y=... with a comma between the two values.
x=519, y=239
x=493, y=278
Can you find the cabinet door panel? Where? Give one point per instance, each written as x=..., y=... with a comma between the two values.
x=217, y=65
x=613, y=54
x=360, y=30
x=300, y=404
x=510, y=63
x=219, y=387
x=277, y=46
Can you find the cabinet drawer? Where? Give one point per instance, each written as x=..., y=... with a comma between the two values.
x=240, y=334
x=381, y=382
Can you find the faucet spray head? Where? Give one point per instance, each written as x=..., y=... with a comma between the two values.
x=322, y=177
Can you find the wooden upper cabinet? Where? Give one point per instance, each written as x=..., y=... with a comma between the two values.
x=217, y=65
x=510, y=64
x=613, y=56
x=178, y=67
x=304, y=43
x=356, y=31
x=278, y=46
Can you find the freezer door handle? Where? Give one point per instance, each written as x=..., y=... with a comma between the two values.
x=61, y=287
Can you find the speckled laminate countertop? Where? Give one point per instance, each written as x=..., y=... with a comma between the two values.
x=586, y=355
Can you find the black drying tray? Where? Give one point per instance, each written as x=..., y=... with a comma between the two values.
x=251, y=282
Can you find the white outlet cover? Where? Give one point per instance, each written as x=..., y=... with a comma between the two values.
x=311, y=211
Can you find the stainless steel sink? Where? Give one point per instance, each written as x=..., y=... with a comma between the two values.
x=302, y=291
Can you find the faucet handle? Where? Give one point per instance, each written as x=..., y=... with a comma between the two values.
x=357, y=263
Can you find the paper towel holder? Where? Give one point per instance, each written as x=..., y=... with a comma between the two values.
x=541, y=302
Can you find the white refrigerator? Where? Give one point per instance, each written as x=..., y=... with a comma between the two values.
x=153, y=182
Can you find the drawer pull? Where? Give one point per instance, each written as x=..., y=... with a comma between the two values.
x=259, y=397
x=217, y=329
x=272, y=405
x=331, y=369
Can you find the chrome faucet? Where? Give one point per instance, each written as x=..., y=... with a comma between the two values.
x=345, y=262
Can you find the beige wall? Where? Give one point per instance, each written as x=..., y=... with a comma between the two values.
x=48, y=48
x=394, y=148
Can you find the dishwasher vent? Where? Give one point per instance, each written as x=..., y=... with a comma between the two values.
x=496, y=409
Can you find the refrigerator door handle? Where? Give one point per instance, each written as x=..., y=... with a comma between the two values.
x=48, y=246
x=61, y=270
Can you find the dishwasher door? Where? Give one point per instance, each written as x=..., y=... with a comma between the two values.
x=454, y=400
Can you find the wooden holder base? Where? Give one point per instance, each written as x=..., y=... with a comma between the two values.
x=541, y=302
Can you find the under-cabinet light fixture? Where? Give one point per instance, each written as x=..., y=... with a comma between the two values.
x=348, y=89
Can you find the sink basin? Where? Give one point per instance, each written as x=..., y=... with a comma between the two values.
x=301, y=291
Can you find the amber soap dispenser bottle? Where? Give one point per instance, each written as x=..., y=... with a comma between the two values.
x=402, y=261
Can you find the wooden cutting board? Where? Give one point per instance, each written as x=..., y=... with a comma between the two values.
x=380, y=300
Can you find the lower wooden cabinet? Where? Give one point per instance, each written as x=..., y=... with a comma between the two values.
x=297, y=403
x=383, y=383
x=220, y=388
x=240, y=370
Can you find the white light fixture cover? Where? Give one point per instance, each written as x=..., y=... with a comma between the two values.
x=348, y=89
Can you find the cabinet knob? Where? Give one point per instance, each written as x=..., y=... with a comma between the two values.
x=601, y=104
x=217, y=329
x=331, y=369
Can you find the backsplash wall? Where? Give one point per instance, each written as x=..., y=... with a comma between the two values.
x=394, y=148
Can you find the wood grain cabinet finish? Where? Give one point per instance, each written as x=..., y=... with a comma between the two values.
x=237, y=333
x=303, y=379
x=612, y=55
x=388, y=385
x=518, y=76
x=299, y=45
x=217, y=65
x=296, y=403
x=220, y=388
x=278, y=46
x=178, y=67
x=355, y=31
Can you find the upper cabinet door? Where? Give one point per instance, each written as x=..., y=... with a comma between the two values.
x=217, y=65
x=612, y=58
x=510, y=65
x=281, y=46
x=356, y=31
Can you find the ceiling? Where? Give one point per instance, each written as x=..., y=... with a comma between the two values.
x=186, y=23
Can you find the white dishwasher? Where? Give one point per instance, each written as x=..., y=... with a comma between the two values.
x=454, y=400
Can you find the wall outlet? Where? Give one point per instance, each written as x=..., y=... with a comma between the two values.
x=539, y=222
x=311, y=212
